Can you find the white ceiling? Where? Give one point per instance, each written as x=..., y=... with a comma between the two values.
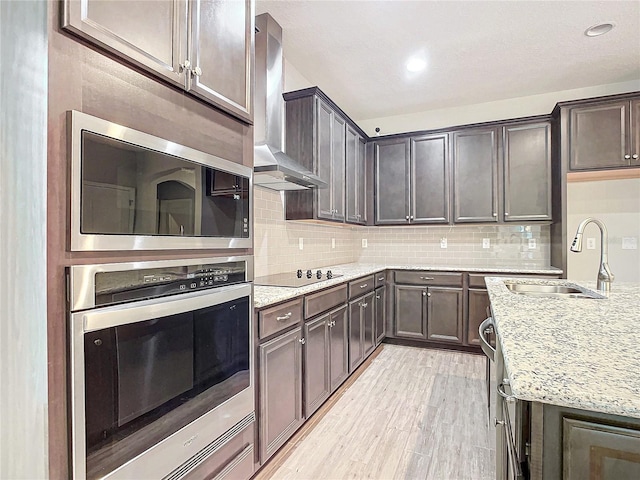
x=477, y=51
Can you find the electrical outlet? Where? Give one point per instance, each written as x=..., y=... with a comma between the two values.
x=591, y=243
x=629, y=243
x=301, y=243
x=364, y=243
x=532, y=243
x=333, y=243
x=486, y=243
x=443, y=242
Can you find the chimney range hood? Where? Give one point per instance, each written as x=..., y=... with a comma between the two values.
x=272, y=167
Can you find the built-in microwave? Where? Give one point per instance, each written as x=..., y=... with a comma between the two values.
x=135, y=191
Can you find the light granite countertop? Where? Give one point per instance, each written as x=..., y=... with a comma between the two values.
x=572, y=352
x=264, y=296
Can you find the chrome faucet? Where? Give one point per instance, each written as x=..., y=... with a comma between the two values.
x=605, y=277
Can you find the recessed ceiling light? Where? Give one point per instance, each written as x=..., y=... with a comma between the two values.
x=416, y=64
x=599, y=29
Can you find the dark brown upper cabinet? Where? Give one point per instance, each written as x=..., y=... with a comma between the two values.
x=412, y=180
x=322, y=139
x=202, y=46
x=605, y=135
x=527, y=172
x=475, y=175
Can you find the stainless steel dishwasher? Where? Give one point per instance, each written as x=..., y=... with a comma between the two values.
x=512, y=416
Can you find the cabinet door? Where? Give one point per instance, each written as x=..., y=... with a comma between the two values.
x=324, y=158
x=478, y=303
x=430, y=179
x=316, y=364
x=392, y=181
x=410, y=312
x=152, y=34
x=355, y=177
x=634, y=128
x=595, y=451
x=368, y=323
x=280, y=391
x=356, y=350
x=527, y=172
x=339, y=341
x=475, y=176
x=337, y=168
x=598, y=136
x=380, y=314
x=444, y=317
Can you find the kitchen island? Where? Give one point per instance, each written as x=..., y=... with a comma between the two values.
x=576, y=363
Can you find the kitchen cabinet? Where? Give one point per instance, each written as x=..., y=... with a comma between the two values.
x=444, y=314
x=475, y=175
x=412, y=180
x=478, y=302
x=320, y=137
x=410, y=312
x=317, y=360
x=605, y=135
x=280, y=390
x=202, y=46
x=339, y=347
x=361, y=341
x=380, y=313
x=356, y=186
x=527, y=172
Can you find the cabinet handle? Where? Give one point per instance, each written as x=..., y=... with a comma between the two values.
x=378, y=297
x=185, y=66
x=427, y=278
x=495, y=214
x=506, y=214
x=424, y=294
x=196, y=71
x=364, y=286
x=284, y=317
x=380, y=279
x=302, y=341
x=407, y=217
x=627, y=157
x=634, y=156
x=365, y=305
x=429, y=294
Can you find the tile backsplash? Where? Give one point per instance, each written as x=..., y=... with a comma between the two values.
x=277, y=242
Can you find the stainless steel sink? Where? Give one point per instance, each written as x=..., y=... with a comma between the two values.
x=557, y=291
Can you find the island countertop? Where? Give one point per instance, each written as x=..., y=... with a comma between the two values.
x=269, y=295
x=571, y=352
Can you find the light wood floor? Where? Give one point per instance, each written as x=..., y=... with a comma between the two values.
x=412, y=413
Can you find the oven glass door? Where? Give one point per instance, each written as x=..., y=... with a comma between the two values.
x=144, y=380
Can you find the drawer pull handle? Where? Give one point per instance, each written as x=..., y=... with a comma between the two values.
x=284, y=317
x=380, y=279
x=364, y=286
x=427, y=278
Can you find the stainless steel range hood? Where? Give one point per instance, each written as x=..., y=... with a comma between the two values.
x=272, y=167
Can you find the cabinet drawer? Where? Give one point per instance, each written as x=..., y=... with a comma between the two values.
x=476, y=281
x=361, y=286
x=317, y=303
x=380, y=278
x=234, y=458
x=429, y=278
x=278, y=318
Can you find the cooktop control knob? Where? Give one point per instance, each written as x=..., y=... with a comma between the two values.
x=309, y=274
x=299, y=274
x=319, y=274
x=329, y=274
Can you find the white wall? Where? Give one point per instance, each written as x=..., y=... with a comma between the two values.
x=617, y=204
x=23, y=240
x=293, y=79
x=485, y=112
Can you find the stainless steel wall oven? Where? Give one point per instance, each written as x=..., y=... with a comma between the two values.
x=133, y=191
x=160, y=362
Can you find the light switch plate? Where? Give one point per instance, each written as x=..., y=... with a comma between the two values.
x=532, y=243
x=591, y=243
x=486, y=243
x=301, y=243
x=364, y=243
x=443, y=242
x=629, y=243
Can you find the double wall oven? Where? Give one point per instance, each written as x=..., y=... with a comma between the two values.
x=161, y=362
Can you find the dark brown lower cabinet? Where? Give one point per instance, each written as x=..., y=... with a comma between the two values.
x=280, y=390
x=361, y=336
x=444, y=314
x=380, y=313
x=317, y=358
x=478, y=303
x=410, y=312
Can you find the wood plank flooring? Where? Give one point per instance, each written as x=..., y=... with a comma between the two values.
x=410, y=413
